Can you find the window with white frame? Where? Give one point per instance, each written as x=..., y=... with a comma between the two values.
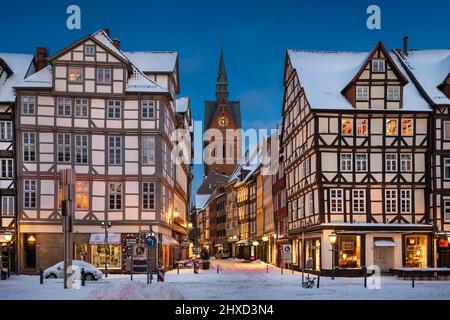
x=148, y=150
x=336, y=200
x=393, y=93
x=377, y=65
x=361, y=162
x=6, y=131
x=7, y=168
x=8, y=206
x=148, y=195
x=446, y=168
x=307, y=167
x=447, y=211
x=114, y=109
x=148, y=109
x=82, y=192
x=301, y=207
x=115, y=150
x=29, y=146
x=362, y=93
x=103, y=75
x=81, y=149
x=405, y=201
x=81, y=107
x=29, y=194
x=361, y=127
x=406, y=162
x=28, y=105
x=347, y=127
x=89, y=50
x=390, y=196
x=391, y=162
x=346, y=162
x=446, y=130
x=359, y=200
x=293, y=209
x=391, y=127
x=407, y=127
x=311, y=203
x=64, y=107
x=115, y=195
x=63, y=148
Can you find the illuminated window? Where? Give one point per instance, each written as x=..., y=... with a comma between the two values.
x=361, y=127
x=75, y=74
x=391, y=127
x=416, y=251
x=377, y=65
x=407, y=127
x=349, y=247
x=347, y=127
x=393, y=93
x=406, y=162
x=391, y=162
x=82, y=195
x=362, y=93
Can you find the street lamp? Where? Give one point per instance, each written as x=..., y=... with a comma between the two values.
x=8, y=238
x=106, y=225
x=235, y=237
x=332, y=237
x=176, y=213
x=190, y=225
x=265, y=238
x=255, y=243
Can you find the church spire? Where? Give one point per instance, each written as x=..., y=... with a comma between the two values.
x=222, y=81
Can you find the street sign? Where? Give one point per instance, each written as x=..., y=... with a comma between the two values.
x=139, y=258
x=287, y=253
x=151, y=241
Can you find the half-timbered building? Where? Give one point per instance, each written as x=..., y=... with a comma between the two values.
x=430, y=72
x=356, y=148
x=109, y=115
x=14, y=68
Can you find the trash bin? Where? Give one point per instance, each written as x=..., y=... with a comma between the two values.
x=205, y=264
x=4, y=274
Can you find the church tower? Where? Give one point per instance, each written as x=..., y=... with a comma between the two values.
x=222, y=114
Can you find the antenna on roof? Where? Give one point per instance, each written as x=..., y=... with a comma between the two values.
x=405, y=45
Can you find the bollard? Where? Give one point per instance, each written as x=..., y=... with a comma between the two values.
x=195, y=267
x=217, y=269
x=281, y=269
x=318, y=281
x=41, y=276
x=267, y=268
x=161, y=274
x=413, y=284
x=83, y=277
x=178, y=269
x=292, y=267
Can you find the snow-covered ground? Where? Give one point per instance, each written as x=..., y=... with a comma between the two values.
x=236, y=280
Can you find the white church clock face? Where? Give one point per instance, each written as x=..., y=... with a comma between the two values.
x=222, y=121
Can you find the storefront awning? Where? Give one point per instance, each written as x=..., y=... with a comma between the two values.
x=99, y=238
x=243, y=243
x=387, y=242
x=169, y=241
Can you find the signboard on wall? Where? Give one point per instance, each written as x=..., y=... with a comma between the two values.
x=287, y=253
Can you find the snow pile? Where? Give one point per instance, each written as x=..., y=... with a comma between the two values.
x=136, y=291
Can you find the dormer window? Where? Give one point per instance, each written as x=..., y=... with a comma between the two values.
x=75, y=74
x=362, y=93
x=378, y=65
x=89, y=50
x=393, y=93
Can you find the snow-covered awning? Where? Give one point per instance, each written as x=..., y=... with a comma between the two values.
x=388, y=242
x=169, y=241
x=99, y=238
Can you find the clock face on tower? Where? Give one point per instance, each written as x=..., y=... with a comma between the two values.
x=222, y=121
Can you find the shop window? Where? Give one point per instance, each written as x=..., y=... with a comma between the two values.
x=416, y=251
x=312, y=251
x=99, y=256
x=349, y=247
x=81, y=252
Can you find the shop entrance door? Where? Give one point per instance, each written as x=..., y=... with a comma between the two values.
x=384, y=258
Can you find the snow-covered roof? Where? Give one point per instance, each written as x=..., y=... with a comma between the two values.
x=102, y=37
x=182, y=104
x=21, y=65
x=324, y=74
x=139, y=82
x=430, y=68
x=40, y=79
x=153, y=61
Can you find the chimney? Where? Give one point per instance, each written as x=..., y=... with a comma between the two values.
x=405, y=44
x=106, y=30
x=116, y=43
x=41, y=58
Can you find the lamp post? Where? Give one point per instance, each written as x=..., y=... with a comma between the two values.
x=106, y=225
x=8, y=238
x=264, y=240
x=332, y=237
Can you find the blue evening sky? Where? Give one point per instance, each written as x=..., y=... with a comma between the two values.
x=255, y=34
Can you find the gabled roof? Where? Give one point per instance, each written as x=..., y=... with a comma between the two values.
x=430, y=68
x=18, y=66
x=40, y=79
x=154, y=61
x=210, y=182
x=324, y=74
